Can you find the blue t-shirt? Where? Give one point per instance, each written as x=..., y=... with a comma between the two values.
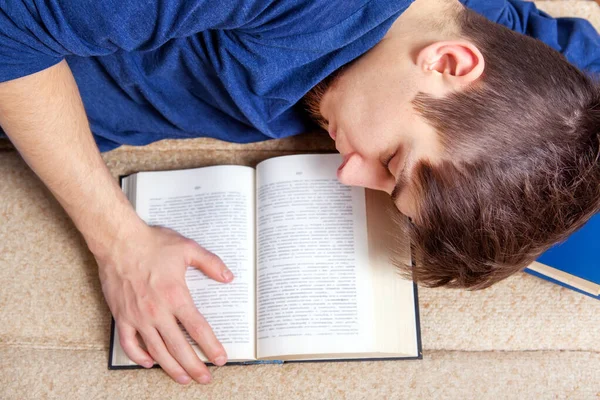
x=232, y=70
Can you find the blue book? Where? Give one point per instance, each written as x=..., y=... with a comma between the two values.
x=574, y=263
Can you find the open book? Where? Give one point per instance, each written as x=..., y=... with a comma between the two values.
x=313, y=275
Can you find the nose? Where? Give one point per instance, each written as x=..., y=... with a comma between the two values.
x=369, y=174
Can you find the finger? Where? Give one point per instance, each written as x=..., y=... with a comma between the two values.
x=131, y=346
x=183, y=352
x=199, y=329
x=158, y=351
x=208, y=262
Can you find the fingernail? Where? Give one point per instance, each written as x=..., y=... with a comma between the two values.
x=227, y=275
x=148, y=364
x=184, y=379
x=220, y=361
x=204, y=379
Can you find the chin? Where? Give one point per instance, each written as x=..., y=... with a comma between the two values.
x=312, y=100
x=312, y=104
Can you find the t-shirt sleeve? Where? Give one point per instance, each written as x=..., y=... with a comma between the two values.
x=575, y=38
x=35, y=34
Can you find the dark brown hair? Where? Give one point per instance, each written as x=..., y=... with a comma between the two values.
x=523, y=170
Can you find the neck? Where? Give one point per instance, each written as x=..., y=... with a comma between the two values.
x=427, y=19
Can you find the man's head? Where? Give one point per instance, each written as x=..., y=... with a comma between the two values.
x=487, y=139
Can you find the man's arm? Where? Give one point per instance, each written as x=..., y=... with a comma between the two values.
x=43, y=116
x=142, y=268
x=575, y=38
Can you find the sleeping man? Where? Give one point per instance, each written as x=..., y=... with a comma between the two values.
x=487, y=138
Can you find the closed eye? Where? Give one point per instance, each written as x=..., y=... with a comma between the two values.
x=386, y=162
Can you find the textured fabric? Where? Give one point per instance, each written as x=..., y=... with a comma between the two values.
x=443, y=375
x=231, y=70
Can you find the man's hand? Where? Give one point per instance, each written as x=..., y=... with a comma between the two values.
x=142, y=268
x=143, y=281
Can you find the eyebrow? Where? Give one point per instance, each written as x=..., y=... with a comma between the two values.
x=400, y=182
x=398, y=188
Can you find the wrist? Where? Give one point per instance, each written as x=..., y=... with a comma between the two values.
x=104, y=243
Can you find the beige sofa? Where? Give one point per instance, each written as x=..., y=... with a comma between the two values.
x=523, y=338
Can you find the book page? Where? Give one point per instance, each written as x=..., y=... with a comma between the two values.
x=394, y=300
x=564, y=277
x=215, y=207
x=314, y=291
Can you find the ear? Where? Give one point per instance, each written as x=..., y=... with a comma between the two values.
x=453, y=64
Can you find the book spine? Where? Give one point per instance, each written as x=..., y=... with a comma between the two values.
x=547, y=278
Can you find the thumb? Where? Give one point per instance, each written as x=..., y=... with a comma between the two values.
x=209, y=263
